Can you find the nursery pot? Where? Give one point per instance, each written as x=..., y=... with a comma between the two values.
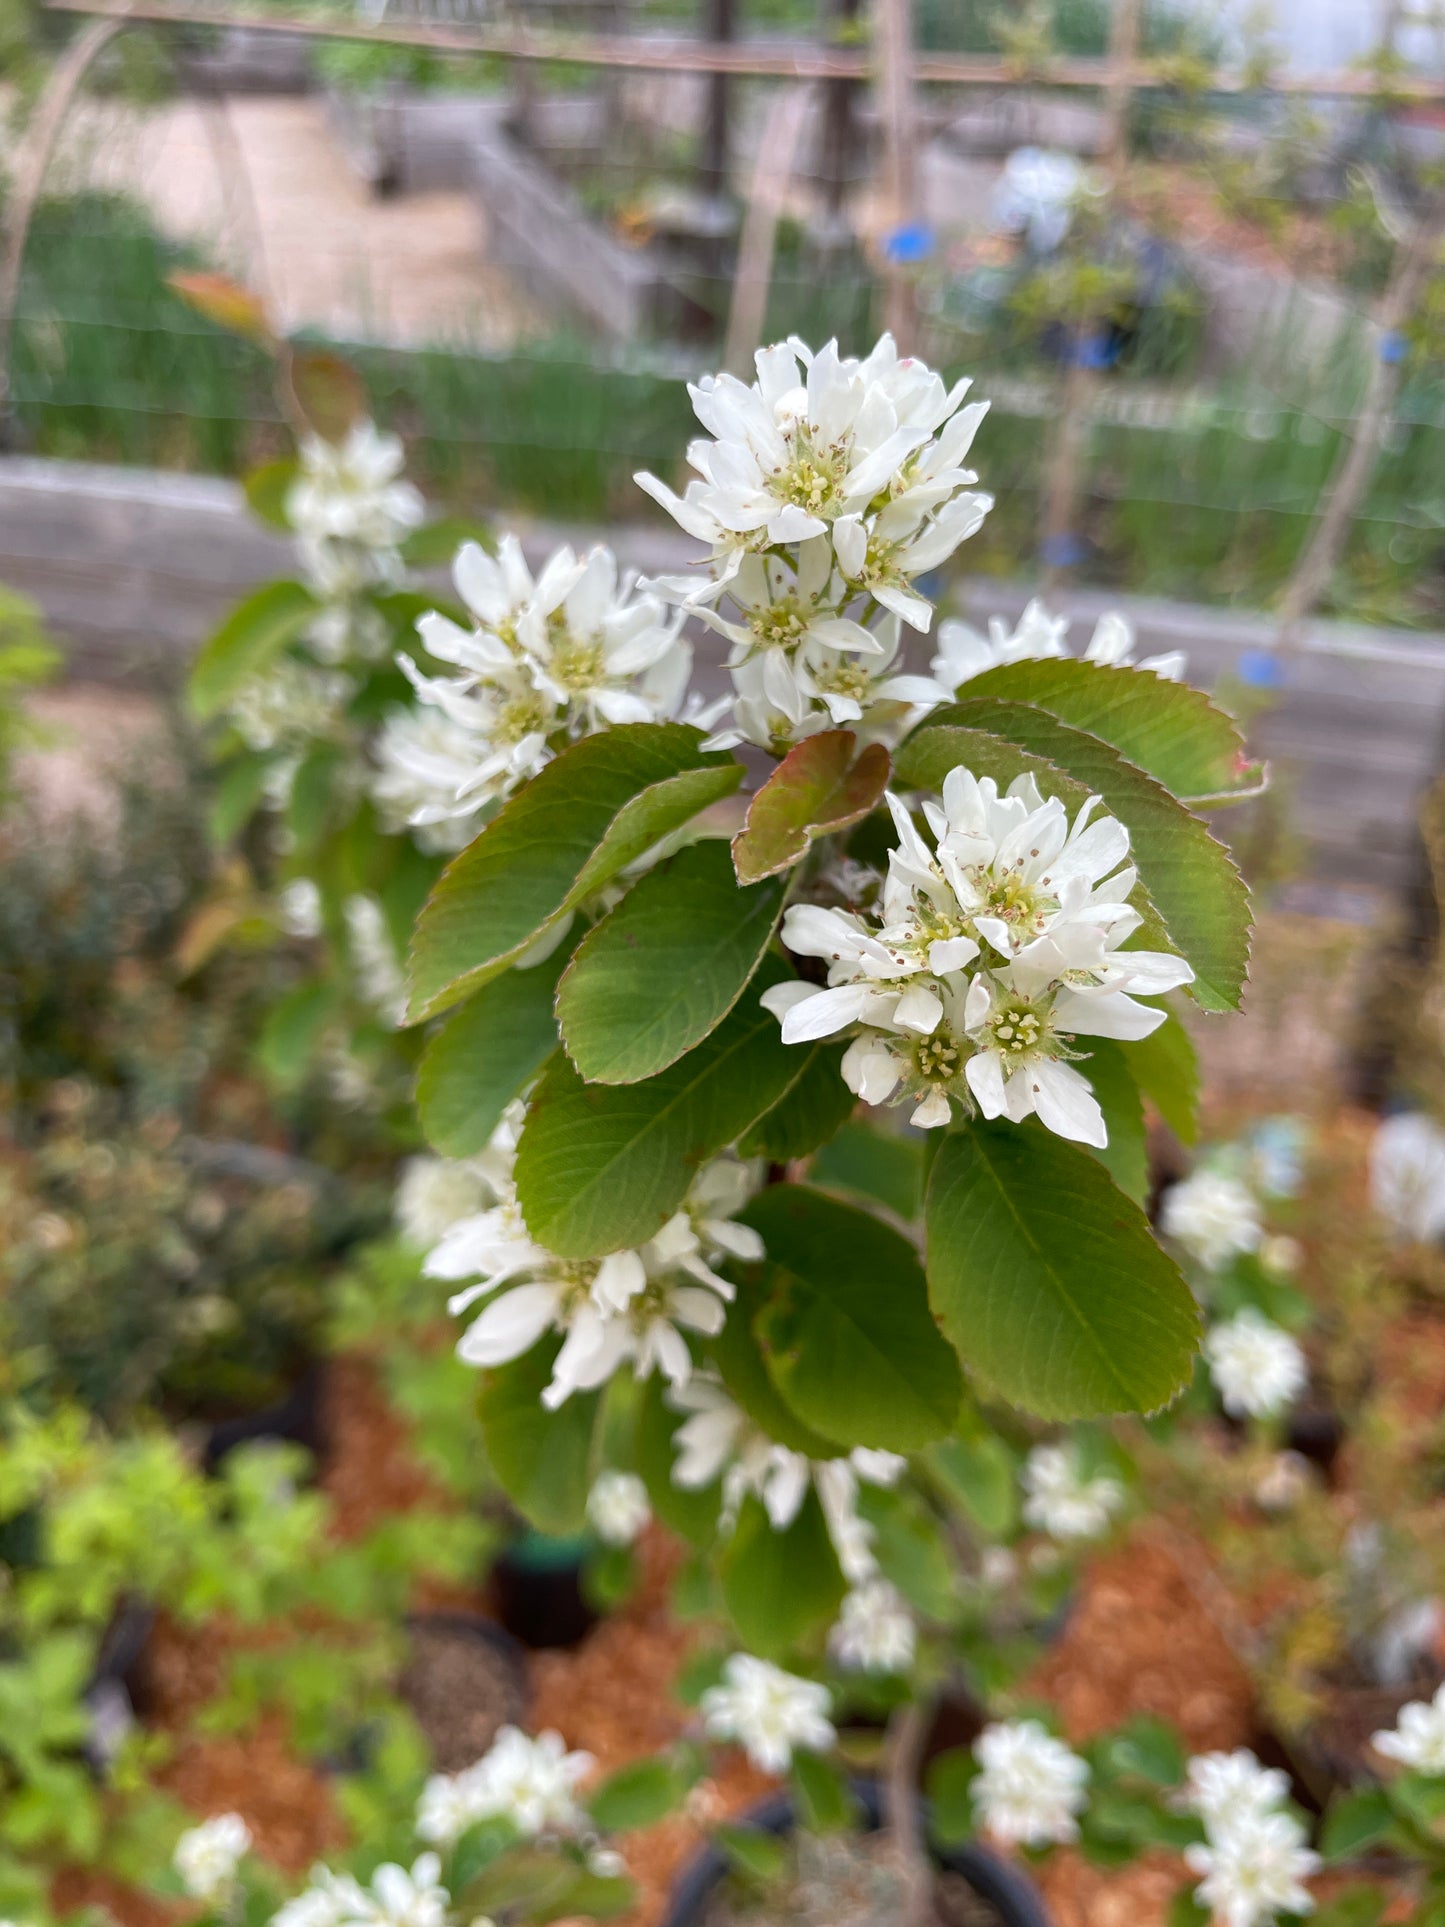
x=296, y=1418
x=993, y=1879
x=116, y=1687
x=465, y=1678
x=540, y=1596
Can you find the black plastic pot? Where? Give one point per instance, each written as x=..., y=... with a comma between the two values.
x=540, y=1595
x=991, y=1878
x=116, y=1690
x=296, y=1418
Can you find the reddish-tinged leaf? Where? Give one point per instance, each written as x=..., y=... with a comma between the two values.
x=329, y=392
x=816, y=789
x=226, y=303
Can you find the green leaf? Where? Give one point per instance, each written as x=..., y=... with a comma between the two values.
x=780, y=1586
x=267, y=488
x=246, y=643
x=876, y=1164
x=293, y=1030
x=593, y=810
x=980, y=1475
x=1126, y=1156
x=1047, y=1280
x=847, y=1332
x=949, y=1786
x=1356, y=1821
x=1362, y=1906
x=1190, y=876
x=664, y=968
x=308, y=808
x=601, y=1167
x=587, y=1896
x=239, y=789
x=434, y=544
x=542, y=1458
x=761, y=1856
x=693, y=1515
x=1186, y=1911
x=482, y=1056
x=909, y=1545
x=808, y=1114
x=1168, y=728
x=816, y=790
x=1166, y=1069
x=1147, y=1748
x=475, y=1851
x=825, y=1800
x=638, y=1795
x=739, y=1358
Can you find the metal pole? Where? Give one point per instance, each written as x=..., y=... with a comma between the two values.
x=721, y=28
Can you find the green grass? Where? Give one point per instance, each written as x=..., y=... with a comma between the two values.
x=110, y=366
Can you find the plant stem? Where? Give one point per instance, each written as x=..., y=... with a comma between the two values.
x=908, y=1730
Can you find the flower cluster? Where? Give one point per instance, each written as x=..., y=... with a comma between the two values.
x=617, y=1508
x=351, y=509
x=829, y=487
x=207, y=1857
x=547, y=660
x=530, y=1782
x=771, y=1714
x=963, y=653
x=875, y=1632
x=718, y=1441
x=1257, y=1368
x=1253, y=1860
x=1214, y=1216
x=991, y=951
x=1417, y=1740
x=1065, y=1501
x=1030, y=1786
x=396, y=1897
x=630, y=1307
x=1407, y=1177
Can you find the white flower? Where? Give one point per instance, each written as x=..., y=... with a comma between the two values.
x=1227, y=1788
x=717, y=1440
x=963, y=653
x=206, y=1858
x=1254, y=1870
x=409, y=1899
x=1257, y=1368
x=1061, y=1500
x=770, y=1713
x=629, y=1307
x=299, y=905
x=1029, y=1785
x=424, y=760
x=573, y=651
x=435, y=1193
x=352, y=491
x=331, y=1900
x=875, y=1632
x=1417, y=1739
x=529, y=1781
x=1213, y=1216
x=291, y=704
x=1407, y=1177
x=373, y=957
x=617, y=1507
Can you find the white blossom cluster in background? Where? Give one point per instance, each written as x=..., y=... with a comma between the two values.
x=875, y=1631
x=1407, y=1177
x=1040, y=636
x=1214, y=1216
x=717, y=1440
x=1257, y=1368
x=991, y=950
x=1065, y=1501
x=769, y=1713
x=1030, y=1787
x=617, y=1508
x=1417, y=1739
x=629, y=1307
x=531, y=1782
x=1254, y=1861
x=829, y=487
x=208, y=1857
